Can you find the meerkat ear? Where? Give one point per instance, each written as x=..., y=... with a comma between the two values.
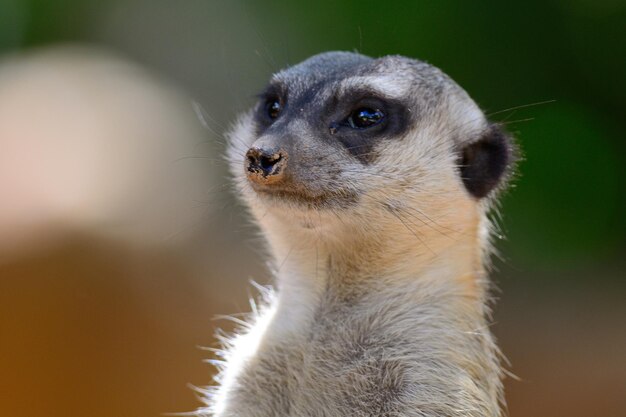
x=485, y=163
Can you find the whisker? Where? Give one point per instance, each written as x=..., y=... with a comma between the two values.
x=529, y=119
x=523, y=106
x=204, y=117
x=396, y=215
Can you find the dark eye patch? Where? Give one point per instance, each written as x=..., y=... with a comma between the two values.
x=360, y=119
x=271, y=104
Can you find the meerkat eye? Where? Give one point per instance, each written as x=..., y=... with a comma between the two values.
x=273, y=108
x=365, y=117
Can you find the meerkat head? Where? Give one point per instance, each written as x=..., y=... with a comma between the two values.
x=345, y=143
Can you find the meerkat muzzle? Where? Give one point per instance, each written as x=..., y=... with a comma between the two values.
x=265, y=166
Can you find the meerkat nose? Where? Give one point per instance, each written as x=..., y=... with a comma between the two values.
x=265, y=166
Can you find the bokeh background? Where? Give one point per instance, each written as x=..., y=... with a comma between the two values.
x=120, y=241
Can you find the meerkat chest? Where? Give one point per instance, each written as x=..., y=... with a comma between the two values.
x=404, y=357
x=342, y=364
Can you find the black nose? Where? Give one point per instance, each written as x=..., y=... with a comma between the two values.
x=265, y=166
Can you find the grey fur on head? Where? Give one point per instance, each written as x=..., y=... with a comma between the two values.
x=370, y=180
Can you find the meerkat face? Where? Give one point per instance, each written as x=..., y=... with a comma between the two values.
x=346, y=136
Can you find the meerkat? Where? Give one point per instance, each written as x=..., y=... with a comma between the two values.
x=370, y=180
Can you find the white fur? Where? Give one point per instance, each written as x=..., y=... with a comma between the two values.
x=385, y=85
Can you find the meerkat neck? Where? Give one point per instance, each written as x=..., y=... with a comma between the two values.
x=310, y=268
x=423, y=310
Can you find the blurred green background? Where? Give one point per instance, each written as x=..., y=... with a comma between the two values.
x=559, y=66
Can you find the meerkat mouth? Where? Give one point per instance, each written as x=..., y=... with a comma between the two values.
x=306, y=200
